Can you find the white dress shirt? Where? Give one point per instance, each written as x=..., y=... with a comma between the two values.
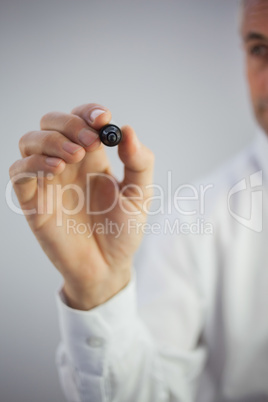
x=192, y=325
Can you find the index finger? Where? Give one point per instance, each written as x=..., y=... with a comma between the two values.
x=93, y=114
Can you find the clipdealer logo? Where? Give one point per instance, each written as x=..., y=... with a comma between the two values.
x=244, y=201
x=249, y=193
x=187, y=202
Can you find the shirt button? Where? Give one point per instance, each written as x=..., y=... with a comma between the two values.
x=94, y=342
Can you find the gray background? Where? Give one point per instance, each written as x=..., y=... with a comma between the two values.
x=171, y=69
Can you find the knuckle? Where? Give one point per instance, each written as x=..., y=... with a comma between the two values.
x=33, y=162
x=69, y=123
x=13, y=168
x=45, y=140
x=51, y=141
x=23, y=142
x=50, y=118
x=45, y=118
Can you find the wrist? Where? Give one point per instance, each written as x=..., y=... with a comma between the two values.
x=87, y=296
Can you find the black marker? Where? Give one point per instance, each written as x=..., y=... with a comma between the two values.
x=110, y=135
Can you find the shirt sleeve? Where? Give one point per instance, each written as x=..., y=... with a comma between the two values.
x=142, y=345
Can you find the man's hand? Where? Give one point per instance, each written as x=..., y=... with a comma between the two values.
x=64, y=175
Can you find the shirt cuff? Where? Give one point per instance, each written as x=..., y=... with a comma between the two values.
x=87, y=334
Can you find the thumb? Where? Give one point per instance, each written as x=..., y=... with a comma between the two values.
x=138, y=161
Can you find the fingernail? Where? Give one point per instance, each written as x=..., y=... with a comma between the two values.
x=87, y=137
x=95, y=113
x=70, y=147
x=53, y=161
